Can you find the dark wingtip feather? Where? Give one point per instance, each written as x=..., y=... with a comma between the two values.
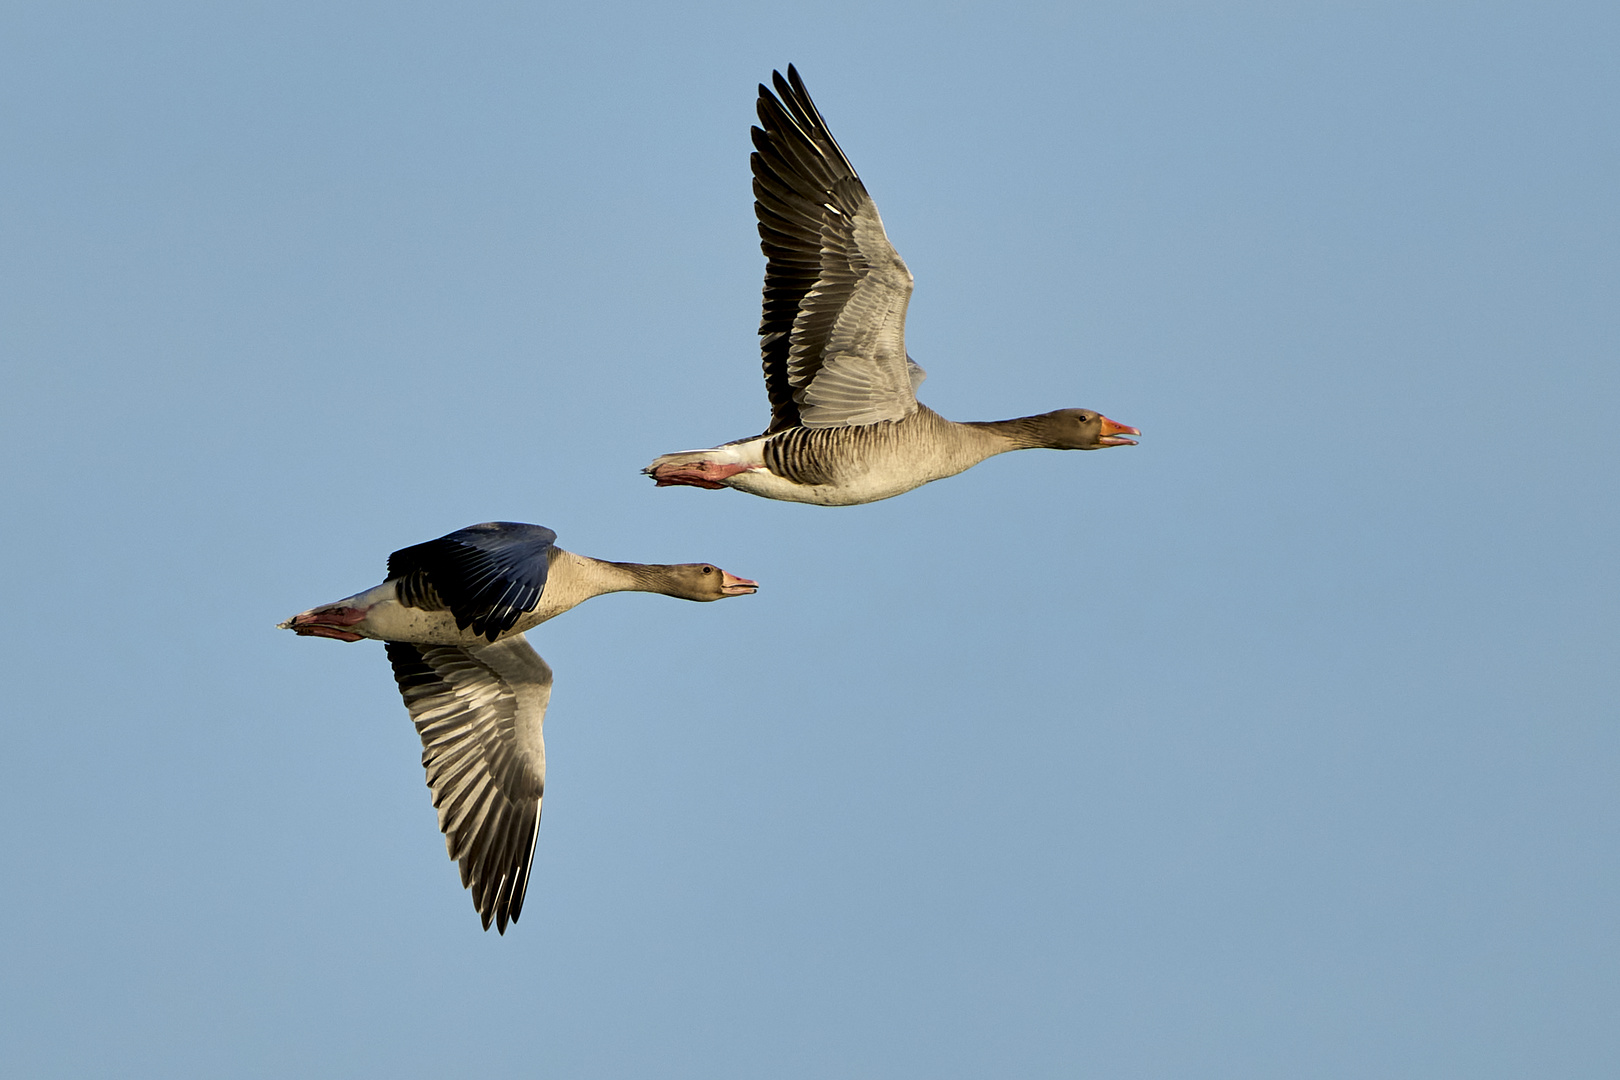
x=520, y=888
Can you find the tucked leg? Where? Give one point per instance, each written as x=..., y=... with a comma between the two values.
x=328, y=623
x=703, y=474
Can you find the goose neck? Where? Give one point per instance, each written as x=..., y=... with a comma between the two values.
x=602, y=576
x=1019, y=433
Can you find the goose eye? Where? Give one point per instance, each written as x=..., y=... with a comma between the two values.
x=708, y=569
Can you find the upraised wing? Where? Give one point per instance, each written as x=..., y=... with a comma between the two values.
x=480, y=712
x=832, y=337
x=486, y=575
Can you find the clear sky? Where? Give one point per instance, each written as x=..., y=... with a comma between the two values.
x=1283, y=745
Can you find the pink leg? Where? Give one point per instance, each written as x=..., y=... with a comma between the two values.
x=703, y=474
x=328, y=623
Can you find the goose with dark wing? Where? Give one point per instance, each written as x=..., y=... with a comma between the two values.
x=453, y=612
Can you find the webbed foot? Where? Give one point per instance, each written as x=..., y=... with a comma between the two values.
x=326, y=622
x=703, y=474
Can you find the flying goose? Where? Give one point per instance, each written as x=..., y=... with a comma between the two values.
x=846, y=426
x=452, y=614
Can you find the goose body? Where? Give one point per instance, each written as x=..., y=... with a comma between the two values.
x=401, y=610
x=846, y=426
x=453, y=612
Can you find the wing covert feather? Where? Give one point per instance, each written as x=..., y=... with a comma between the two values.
x=486, y=575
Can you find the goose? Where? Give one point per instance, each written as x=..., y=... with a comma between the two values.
x=846, y=426
x=452, y=615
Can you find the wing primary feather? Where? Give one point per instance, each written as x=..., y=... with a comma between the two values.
x=478, y=711
x=832, y=321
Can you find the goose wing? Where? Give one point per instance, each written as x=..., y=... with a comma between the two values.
x=832, y=336
x=479, y=711
x=486, y=575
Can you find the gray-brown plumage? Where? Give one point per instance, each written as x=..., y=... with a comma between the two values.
x=845, y=424
x=452, y=613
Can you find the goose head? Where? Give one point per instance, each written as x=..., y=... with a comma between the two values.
x=1083, y=429
x=704, y=582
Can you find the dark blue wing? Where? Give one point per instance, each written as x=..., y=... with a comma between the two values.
x=486, y=575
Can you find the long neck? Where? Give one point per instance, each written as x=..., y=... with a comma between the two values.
x=593, y=577
x=639, y=577
x=1022, y=433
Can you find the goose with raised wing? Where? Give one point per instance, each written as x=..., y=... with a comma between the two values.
x=453, y=612
x=846, y=426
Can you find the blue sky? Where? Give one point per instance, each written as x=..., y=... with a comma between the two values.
x=1281, y=745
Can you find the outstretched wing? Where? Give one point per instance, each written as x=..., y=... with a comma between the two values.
x=487, y=575
x=479, y=712
x=832, y=337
